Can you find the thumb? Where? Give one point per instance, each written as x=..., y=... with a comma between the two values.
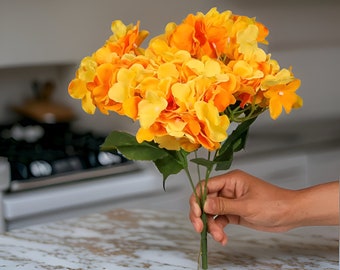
x=221, y=206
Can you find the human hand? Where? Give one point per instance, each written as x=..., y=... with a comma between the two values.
x=240, y=198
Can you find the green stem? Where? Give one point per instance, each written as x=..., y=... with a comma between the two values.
x=198, y=168
x=201, y=200
x=204, y=242
x=191, y=183
x=249, y=112
x=204, y=233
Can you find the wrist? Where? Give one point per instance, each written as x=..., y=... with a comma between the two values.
x=316, y=206
x=292, y=205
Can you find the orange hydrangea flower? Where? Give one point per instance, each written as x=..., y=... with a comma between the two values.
x=97, y=73
x=184, y=86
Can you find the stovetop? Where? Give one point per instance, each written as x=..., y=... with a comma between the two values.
x=49, y=154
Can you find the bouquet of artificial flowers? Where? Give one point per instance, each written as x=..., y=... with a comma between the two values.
x=185, y=88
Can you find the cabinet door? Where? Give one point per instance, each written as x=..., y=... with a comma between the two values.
x=51, y=32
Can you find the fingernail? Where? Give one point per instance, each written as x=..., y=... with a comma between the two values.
x=207, y=205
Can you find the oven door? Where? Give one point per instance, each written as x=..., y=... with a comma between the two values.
x=33, y=206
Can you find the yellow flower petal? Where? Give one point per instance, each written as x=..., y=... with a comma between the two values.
x=168, y=142
x=118, y=28
x=150, y=108
x=211, y=68
x=247, y=39
x=176, y=128
x=130, y=107
x=196, y=66
x=243, y=69
x=275, y=108
x=183, y=95
x=87, y=104
x=216, y=125
x=87, y=69
x=118, y=92
x=77, y=88
x=284, y=76
x=167, y=70
x=125, y=85
x=144, y=134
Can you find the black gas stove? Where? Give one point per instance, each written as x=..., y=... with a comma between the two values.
x=48, y=154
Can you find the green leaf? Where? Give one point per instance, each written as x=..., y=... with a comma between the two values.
x=224, y=165
x=118, y=138
x=167, y=166
x=224, y=160
x=168, y=162
x=131, y=149
x=173, y=163
x=142, y=152
x=239, y=132
x=209, y=164
x=234, y=143
x=240, y=143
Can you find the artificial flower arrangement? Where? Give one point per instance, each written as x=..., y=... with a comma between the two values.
x=185, y=89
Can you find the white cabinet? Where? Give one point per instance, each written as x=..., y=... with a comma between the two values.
x=45, y=32
x=63, y=32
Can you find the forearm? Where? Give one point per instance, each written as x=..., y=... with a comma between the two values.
x=317, y=205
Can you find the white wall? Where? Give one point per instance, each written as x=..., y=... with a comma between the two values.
x=46, y=40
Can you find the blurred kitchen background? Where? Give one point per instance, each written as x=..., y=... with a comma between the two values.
x=50, y=166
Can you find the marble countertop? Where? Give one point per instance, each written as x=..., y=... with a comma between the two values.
x=144, y=239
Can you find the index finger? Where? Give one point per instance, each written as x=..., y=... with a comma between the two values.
x=223, y=185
